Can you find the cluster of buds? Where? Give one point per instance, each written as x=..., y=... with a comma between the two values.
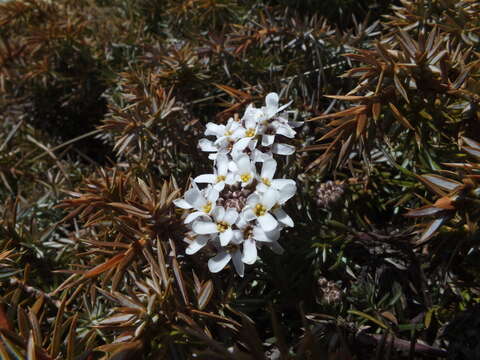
x=328, y=193
x=329, y=291
x=239, y=207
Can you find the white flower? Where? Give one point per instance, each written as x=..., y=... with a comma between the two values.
x=272, y=108
x=201, y=200
x=266, y=180
x=244, y=169
x=251, y=120
x=223, y=257
x=221, y=175
x=258, y=208
x=249, y=234
x=284, y=193
x=230, y=132
x=222, y=224
x=276, y=127
x=226, y=136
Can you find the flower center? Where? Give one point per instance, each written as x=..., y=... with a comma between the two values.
x=220, y=178
x=250, y=132
x=222, y=226
x=228, y=133
x=207, y=207
x=260, y=210
x=245, y=177
x=266, y=181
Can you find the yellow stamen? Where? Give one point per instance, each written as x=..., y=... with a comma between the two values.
x=245, y=177
x=266, y=181
x=220, y=178
x=250, y=132
x=228, y=132
x=207, y=207
x=260, y=210
x=222, y=226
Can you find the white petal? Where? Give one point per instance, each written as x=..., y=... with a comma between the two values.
x=237, y=237
x=274, y=234
x=207, y=145
x=213, y=195
x=241, y=222
x=270, y=198
x=195, y=198
x=193, y=216
x=283, y=217
x=230, y=179
x=286, y=192
x=221, y=142
x=267, y=222
x=260, y=235
x=205, y=179
x=204, y=227
x=196, y=245
x=234, y=126
x=231, y=216
x=226, y=237
x=281, y=183
x=268, y=140
x=272, y=104
x=261, y=187
x=253, y=199
x=239, y=133
x=249, y=251
x=214, y=129
x=283, y=149
x=244, y=165
x=251, y=122
x=268, y=168
x=249, y=215
x=222, y=164
x=219, y=186
x=218, y=213
x=237, y=262
x=240, y=145
x=181, y=203
x=250, y=112
x=219, y=261
x=286, y=131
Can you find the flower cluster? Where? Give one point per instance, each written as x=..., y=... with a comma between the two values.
x=239, y=208
x=329, y=193
x=329, y=291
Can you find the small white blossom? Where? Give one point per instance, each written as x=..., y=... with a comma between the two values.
x=202, y=201
x=221, y=175
x=258, y=207
x=221, y=224
x=245, y=170
x=223, y=257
